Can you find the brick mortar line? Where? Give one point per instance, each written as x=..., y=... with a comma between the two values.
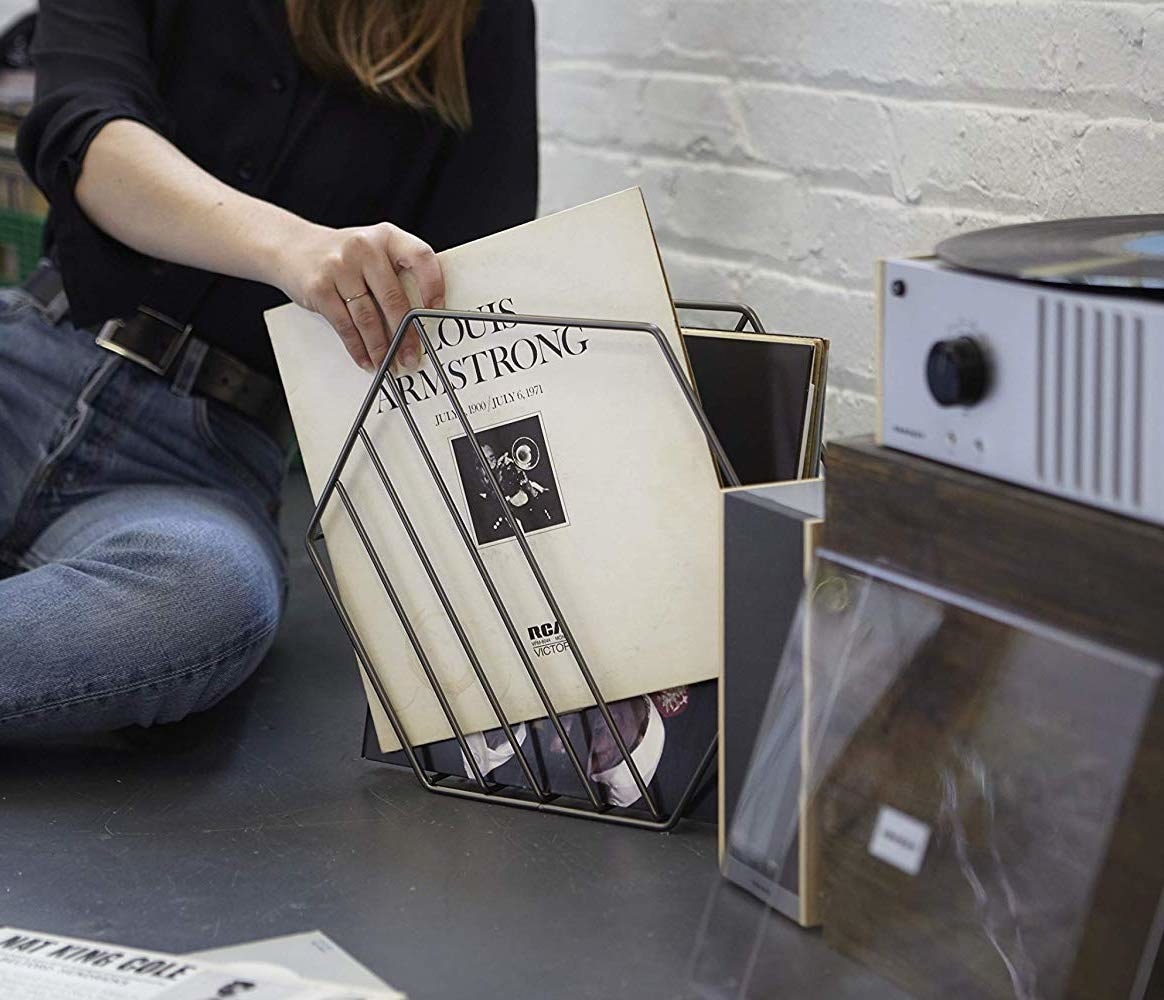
x=1007, y=207
x=755, y=263
x=1130, y=105
x=758, y=168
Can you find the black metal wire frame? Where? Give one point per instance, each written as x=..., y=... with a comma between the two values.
x=747, y=315
x=540, y=799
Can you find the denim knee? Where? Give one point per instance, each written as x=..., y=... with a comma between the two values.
x=142, y=615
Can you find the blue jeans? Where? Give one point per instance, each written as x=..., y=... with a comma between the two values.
x=141, y=573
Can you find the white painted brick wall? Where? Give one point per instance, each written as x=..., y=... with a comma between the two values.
x=11, y=9
x=784, y=145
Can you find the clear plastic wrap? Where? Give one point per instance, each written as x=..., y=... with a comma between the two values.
x=976, y=799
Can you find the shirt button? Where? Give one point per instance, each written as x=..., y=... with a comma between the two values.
x=246, y=170
x=278, y=84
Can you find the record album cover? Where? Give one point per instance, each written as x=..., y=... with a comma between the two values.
x=666, y=732
x=762, y=393
x=598, y=456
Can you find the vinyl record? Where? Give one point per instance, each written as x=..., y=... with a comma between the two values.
x=1125, y=251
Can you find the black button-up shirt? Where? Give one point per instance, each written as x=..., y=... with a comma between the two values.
x=221, y=80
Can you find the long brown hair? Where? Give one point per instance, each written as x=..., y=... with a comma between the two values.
x=411, y=51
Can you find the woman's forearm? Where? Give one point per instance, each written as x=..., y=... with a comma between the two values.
x=143, y=191
x=139, y=188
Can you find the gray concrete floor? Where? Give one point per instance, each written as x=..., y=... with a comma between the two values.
x=259, y=818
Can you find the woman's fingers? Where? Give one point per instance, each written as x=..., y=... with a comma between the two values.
x=330, y=304
x=410, y=253
x=352, y=279
x=390, y=296
x=359, y=256
x=406, y=252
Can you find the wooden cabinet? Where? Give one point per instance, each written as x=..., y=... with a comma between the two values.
x=995, y=678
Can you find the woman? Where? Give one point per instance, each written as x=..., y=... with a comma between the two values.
x=205, y=162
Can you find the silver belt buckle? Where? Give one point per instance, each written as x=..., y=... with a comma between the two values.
x=106, y=339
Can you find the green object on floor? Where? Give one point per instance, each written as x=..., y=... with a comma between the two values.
x=20, y=243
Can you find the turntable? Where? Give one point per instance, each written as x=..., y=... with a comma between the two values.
x=1034, y=354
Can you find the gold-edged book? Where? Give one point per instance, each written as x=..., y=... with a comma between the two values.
x=764, y=396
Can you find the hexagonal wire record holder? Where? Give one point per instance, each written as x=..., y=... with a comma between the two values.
x=536, y=796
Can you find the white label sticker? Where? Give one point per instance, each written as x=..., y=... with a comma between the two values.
x=899, y=840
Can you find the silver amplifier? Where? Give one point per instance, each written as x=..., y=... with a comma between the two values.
x=1042, y=385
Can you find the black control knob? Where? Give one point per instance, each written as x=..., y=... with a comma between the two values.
x=956, y=372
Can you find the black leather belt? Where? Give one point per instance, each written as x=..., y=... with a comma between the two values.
x=170, y=350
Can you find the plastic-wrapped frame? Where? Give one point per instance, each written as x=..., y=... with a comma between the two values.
x=985, y=797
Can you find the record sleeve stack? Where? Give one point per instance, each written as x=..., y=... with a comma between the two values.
x=989, y=769
x=524, y=532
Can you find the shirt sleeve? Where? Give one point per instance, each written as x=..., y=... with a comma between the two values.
x=93, y=65
x=490, y=182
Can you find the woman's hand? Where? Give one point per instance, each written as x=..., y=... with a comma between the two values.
x=350, y=277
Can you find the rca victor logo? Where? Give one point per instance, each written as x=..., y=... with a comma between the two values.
x=548, y=638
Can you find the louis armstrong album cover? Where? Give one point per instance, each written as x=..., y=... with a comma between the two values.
x=598, y=455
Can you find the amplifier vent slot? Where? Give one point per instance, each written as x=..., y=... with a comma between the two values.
x=1089, y=401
